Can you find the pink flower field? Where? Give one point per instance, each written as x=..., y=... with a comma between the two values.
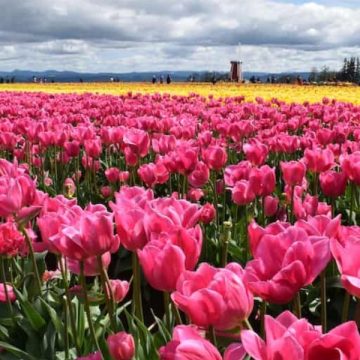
x=178, y=228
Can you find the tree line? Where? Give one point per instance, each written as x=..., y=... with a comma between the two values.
x=350, y=72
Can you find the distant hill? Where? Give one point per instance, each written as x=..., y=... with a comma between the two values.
x=72, y=76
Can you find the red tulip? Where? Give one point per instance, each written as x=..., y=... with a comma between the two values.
x=11, y=240
x=186, y=344
x=112, y=174
x=208, y=213
x=333, y=183
x=214, y=297
x=121, y=346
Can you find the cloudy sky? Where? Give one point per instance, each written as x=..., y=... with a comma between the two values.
x=139, y=35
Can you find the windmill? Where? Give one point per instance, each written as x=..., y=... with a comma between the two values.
x=236, y=68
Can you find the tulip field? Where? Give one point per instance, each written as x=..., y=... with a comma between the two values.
x=166, y=223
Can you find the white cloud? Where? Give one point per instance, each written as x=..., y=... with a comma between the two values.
x=128, y=35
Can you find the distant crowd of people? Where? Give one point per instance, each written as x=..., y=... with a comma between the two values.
x=161, y=79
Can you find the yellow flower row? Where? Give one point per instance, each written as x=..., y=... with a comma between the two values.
x=288, y=93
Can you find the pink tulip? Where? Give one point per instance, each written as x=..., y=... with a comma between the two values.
x=277, y=276
x=214, y=297
x=137, y=141
x=235, y=173
x=119, y=289
x=16, y=193
x=155, y=258
x=79, y=234
x=321, y=225
x=152, y=174
x=200, y=175
x=129, y=210
x=293, y=172
x=121, y=346
x=195, y=194
x=10, y=291
x=342, y=342
x=332, y=183
x=242, y=193
x=234, y=351
x=186, y=344
x=262, y=180
x=286, y=338
x=256, y=152
x=91, y=265
x=166, y=214
x=215, y=157
x=350, y=165
x=347, y=258
x=318, y=160
x=93, y=148
x=271, y=204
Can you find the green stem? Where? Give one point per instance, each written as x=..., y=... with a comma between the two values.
x=87, y=308
x=66, y=334
x=357, y=312
x=297, y=305
x=176, y=313
x=352, y=202
x=212, y=336
x=346, y=306
x=69, y=304
x=292, y=204
x=323, y=301
x=247, y=324
x=137, y=309
x=32, y=256
x=3, y=279
x=262, y=318
x=166, y=298
x=108, y=293
x=246, y=239
x=225, y=243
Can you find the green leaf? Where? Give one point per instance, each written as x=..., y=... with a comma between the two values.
x=14, y=350
x=32, y=315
